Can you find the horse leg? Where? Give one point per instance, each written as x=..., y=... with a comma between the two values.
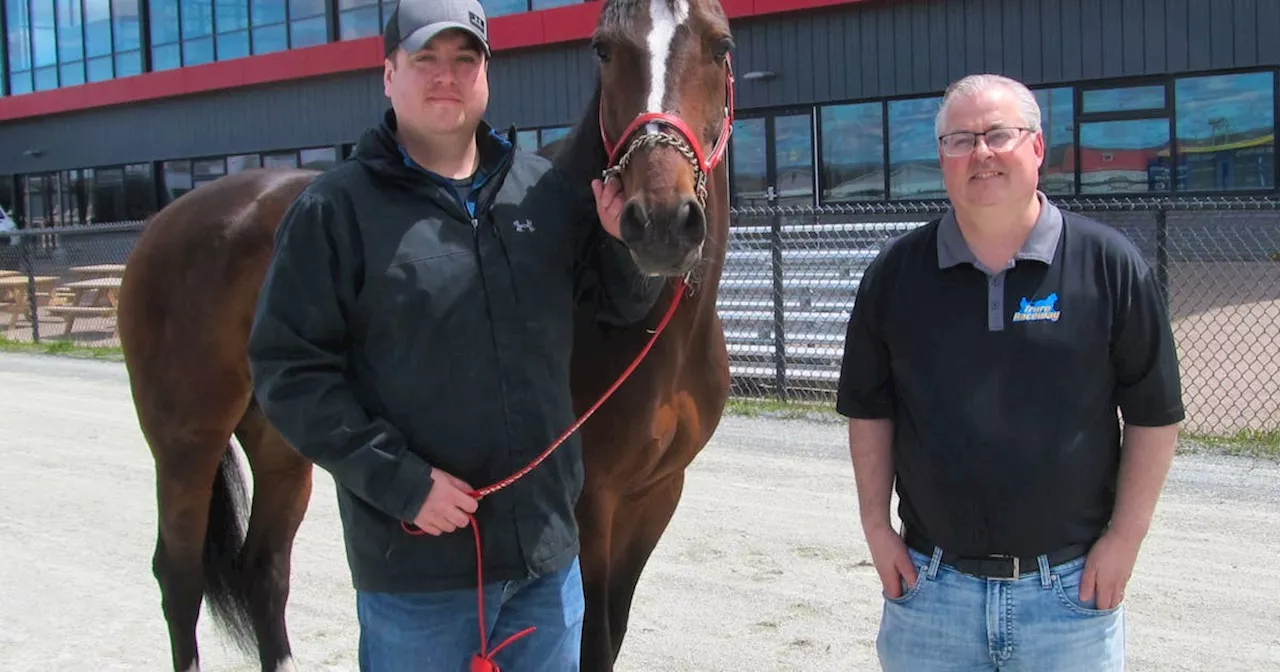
x=633, y=540
x=595, y=521
x=196, y=498
x=281, y=493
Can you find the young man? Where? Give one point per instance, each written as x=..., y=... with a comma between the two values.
x=986, y=358
x=413, y=339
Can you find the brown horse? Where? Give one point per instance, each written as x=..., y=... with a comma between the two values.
x=659, y=122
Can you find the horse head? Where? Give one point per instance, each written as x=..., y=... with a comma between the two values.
x=664, y=111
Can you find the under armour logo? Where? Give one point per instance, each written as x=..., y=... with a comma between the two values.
x=523, y=227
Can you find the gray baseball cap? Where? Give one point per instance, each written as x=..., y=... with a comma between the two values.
x=415, y=22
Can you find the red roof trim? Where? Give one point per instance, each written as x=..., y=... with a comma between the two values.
x=544, y=27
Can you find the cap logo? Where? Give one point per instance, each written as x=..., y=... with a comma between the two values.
x=477, y=22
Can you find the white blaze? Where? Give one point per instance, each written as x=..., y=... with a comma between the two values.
x=664, y=23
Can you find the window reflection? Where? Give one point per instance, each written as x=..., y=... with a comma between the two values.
x=1057, y=118
x=318, y=158
x=1226, y=132
x=494, y=8
x=853, y=152
x=914, y=171
x=1124, y=156
x=793, y=156
x=550, y=135
x=1123, y=99
x=748, y=162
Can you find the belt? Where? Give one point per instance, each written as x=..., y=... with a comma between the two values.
x=994, y=566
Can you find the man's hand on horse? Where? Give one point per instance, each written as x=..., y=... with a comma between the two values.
x=448, y=504
x=609, y=202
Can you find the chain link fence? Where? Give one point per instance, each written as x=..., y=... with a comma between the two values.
x=789, y=284
x=792, y=274
x=71, y=276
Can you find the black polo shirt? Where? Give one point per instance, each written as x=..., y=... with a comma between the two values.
x=1004, y=385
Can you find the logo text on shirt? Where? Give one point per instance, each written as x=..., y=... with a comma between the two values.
x=1040, y=310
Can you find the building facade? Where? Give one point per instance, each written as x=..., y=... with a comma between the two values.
x=112, y=108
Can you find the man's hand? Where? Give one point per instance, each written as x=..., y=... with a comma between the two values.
x=609, y=205
x=893, y=564
x=1108, y=567
x=447, y=506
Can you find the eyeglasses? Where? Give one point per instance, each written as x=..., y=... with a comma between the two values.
x=960, y=143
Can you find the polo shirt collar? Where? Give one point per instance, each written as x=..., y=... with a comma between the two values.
x=1041, y=245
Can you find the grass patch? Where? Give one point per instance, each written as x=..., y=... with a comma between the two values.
x=62, y=348
x=778, y=409
x=1262, y=444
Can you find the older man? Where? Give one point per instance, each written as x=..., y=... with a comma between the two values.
x=986, y=358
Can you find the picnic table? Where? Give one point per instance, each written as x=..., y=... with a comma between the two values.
x=14, y=298
x=95, y=297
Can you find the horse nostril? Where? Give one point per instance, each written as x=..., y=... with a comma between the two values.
x=692, y=219
x=634, y=220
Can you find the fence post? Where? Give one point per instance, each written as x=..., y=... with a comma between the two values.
x=1162, y=253
x=28, y=265
x=779, y=328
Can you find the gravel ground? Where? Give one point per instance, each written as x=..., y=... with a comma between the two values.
x=763, y=568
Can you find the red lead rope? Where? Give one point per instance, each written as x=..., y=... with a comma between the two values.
x=483, y=661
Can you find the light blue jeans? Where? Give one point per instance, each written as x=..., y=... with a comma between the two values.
x=404, y=632
x=955, y=621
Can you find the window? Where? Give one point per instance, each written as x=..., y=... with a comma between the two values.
x=360, y=18
x=70, y=43
x=139, y=191
x=204, y=171
x=242, y=162
x=1057, y=119
x=307, y=26
x=127, y=33
x=1127, y=99
x=197, y=31
x=231, y=23
x=1124, y=140
x=97, y=40
x=19, y=38
x=318, y=158
x=749, y=162
x=853, y=152
x=1226, y=132
x=177, y=180
x=548, y=4
x=268, y=32
x=526, y=139
x=166, y=33
x=44, y=45
x=914, y=171
x=494, y=8
x=280, y=160
x=109, y=195
x=550, y=135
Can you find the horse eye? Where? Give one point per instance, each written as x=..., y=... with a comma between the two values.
x=723, y=47
x=602, y=51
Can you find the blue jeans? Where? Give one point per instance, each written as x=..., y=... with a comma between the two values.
x=955, y=621
x=440, y=630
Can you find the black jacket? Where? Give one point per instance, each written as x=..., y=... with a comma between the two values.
x=396, y=332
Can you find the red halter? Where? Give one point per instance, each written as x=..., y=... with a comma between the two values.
x=646, y=129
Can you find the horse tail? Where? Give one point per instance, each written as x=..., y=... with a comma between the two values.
x=226, y=590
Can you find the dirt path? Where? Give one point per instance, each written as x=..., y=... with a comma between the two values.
x=763, y=568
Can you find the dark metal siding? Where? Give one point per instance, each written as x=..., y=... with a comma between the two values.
x=905, y=48
x=869, y=50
